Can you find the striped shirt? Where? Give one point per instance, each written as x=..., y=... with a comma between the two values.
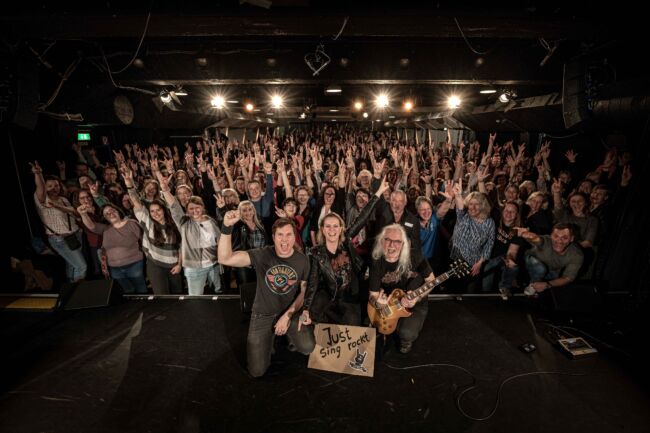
x=472, y=240
x=165, y=255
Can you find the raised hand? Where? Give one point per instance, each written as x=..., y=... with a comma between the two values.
x=450, y=192
x=60, y=165
x=36, y=169
x=221, y=202
x=383, y=187
x=626, y=176
x=571, y=156
x=556, y=187
x=231, y=217
x=280, y=212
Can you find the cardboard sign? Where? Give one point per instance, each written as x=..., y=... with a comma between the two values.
x=344, y=349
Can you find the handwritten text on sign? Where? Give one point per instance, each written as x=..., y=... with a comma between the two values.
x=344, y=349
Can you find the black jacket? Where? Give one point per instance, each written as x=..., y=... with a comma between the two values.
x=321, y=274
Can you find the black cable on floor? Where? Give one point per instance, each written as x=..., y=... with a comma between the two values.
x=473, y=385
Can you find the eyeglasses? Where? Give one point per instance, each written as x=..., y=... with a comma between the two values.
x=395, y=242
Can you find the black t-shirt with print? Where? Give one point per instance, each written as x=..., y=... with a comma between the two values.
x=278, y=279
x=504, y=236
x=383, y=276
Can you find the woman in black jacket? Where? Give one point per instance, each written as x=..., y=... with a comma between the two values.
x=333, y=289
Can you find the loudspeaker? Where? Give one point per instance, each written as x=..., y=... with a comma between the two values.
x=247, y=296
x=575, y=107
x=25, y=98
x=87, y=294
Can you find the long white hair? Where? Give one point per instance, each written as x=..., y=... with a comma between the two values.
x=404, y=262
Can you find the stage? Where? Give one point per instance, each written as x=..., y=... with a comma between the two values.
x=179, y=366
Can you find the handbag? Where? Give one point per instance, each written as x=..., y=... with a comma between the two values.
x=70, y=240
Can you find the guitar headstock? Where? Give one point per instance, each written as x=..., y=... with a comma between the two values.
x=459, y=268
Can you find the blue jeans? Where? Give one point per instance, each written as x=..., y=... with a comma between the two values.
x=492, y=267
x=75, y=263
x=130, y=277
x=538, y=271
x=196, y=278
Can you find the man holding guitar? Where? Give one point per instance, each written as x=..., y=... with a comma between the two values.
x=395, y=267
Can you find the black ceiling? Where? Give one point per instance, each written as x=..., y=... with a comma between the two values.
x=412, y=51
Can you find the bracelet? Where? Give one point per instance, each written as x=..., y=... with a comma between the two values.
x=226, y=230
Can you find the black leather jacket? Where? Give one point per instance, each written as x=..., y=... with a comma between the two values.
x=321, y=267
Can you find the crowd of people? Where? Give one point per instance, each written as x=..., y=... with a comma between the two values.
x=328, y=220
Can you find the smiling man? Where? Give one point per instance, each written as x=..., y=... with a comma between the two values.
x=282, y=274
x=554, y=261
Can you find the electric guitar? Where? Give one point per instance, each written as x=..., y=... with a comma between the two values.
x=385, y=317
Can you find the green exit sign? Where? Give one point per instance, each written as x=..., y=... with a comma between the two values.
x=83, y=136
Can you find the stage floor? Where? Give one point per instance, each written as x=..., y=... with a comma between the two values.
x=179, y=366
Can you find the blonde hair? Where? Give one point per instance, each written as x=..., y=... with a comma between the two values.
x=248, y=203
x=320, y=237
x=483, y=203
x=404, y=262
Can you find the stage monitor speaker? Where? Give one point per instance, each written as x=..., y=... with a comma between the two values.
x=88, y=294
x=247, y=296
x=575, y=108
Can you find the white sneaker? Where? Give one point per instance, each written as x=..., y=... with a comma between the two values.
x=505, y=293
x=529, y=290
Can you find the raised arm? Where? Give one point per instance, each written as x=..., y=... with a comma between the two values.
x=39, y=181
x=127, y=174
x=226, y=256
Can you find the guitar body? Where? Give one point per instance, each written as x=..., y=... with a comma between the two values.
x=385, y=320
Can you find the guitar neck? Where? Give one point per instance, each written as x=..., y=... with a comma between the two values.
x=427, y=286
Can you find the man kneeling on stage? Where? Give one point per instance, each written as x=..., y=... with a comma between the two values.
x=394, y=266
x=282, y=274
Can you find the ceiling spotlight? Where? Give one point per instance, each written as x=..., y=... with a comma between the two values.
x=218, y=102
x=233, y=101
x=382, y=101
x=138, y=63
x=453, y=101
x=165, y=97
x=271, y=61
x=358, y=105
x=506, y=96
x=334, y=110
x=488, y=91
x=408, y=105
x=344, y=62
x=365, y=115
x=276, y=101
x=180, y=91
x=249, y=106
x=201, y=61
x=404, y=62
x=333, y=89
x=303, y=116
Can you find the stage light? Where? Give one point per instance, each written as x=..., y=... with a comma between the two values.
x=334, y=110
x=165, y=97
x=365, y=115
x=303, y=116
x=333, y=89
x=218, y=102
x=453, y=101
x=201, y=61
x=408, y=105
x=488, y=91
x=382, y=101
x=506, y=96
x=276, y=101
x=358, y=105
x=233, y=101
x=249, y=106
